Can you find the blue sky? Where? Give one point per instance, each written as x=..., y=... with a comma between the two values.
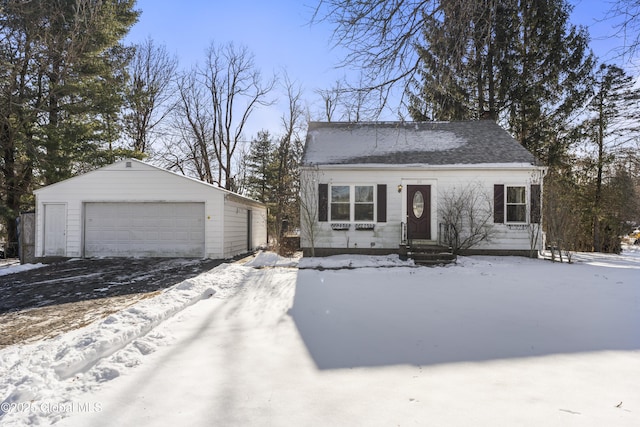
x=278, y=33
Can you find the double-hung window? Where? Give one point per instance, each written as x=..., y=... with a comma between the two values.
x=340, y=203
x=516, y=204
x=352, y=203
x=363, y=207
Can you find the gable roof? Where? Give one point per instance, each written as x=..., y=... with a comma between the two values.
x=412, y=143
x=138, y=166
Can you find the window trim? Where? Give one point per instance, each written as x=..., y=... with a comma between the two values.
x=352, y=202
x=507, y=204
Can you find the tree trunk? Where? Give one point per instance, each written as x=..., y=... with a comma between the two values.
x=12, y=194
x=597, y=243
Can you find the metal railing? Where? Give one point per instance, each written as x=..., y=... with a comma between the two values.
x=445, y=234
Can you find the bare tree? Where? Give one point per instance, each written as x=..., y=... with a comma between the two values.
x=195, y=131
x=309, y=206
x=629, y=27
x=330, y=100
x=561, y=216
x=362, y=104
x=351, y=102
x=287, y=159
x=215, y=102
x=240, y=170
x=465, y=215
x=150, y=93
x=235, y=88
x=380, y=35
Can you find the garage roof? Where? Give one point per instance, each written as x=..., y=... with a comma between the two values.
x=135, y=165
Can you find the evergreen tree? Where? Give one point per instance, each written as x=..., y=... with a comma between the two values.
x=548, y=78
x=451, y=73
x=260, y=168
x=59, y=90
x=611, y=125
x=519, y=62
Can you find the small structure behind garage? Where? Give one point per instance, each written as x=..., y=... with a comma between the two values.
x=134, y=209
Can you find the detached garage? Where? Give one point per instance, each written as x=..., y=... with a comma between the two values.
x=133, y=209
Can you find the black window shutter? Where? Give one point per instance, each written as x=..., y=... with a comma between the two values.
x=382, y=203
x=498, y=203
x=323, y=202
x=535, y=204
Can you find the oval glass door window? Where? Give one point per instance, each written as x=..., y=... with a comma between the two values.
x=418, y=204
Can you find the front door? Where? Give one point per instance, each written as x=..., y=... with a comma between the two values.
x=419, y=212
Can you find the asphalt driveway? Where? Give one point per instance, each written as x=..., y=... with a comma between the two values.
x=84, y=279
x=44, y=302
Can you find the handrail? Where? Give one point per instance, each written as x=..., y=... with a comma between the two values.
x=444, y=234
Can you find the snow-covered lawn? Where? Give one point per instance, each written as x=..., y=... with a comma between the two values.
x=489, y=341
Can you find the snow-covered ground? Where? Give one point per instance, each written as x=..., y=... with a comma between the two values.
x=489, y=341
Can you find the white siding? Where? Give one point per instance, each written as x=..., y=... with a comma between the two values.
x=235, y=228
x=442, y=180
x=138, y=183
x=259, y=227
x=236, y=217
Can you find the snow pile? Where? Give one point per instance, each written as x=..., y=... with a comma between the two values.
x=17, y=268
x=37, y=372
x=336, y=262
x=271, y=259
x=139, y=320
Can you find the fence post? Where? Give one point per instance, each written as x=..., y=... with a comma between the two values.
x=27, y=237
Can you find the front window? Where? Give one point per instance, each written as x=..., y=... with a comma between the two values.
x=340, y=203
x=516, y=204
x=352, y=203
x=363, y=207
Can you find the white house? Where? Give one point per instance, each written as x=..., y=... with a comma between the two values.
x=377, y=187
x=133, y=209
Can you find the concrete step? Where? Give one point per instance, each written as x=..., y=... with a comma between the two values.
x=427, y=254
x=432, y=258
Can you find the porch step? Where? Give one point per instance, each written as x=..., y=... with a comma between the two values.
x=427, y=254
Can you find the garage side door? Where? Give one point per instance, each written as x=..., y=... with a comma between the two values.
x=144, y=230
x=55, y=229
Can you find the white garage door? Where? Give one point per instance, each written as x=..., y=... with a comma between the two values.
x=144, y=229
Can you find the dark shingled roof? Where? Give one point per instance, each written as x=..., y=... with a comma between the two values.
x=412, y=143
